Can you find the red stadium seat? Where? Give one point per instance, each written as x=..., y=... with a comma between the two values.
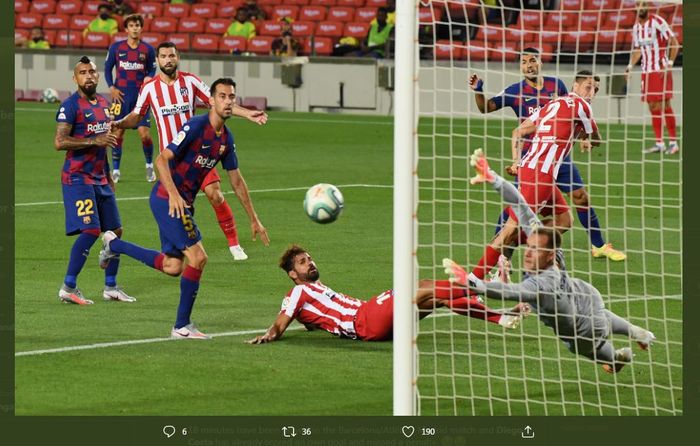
x=462, y=7
x=530, y=19
x=620, y=20
x=28, y=20
x=182, y=41
x=564, y=19
x=153, y=39
x=426, y=16
x=610, y=40
x=260, y=44
x=32, y=95
x=547, y=35
x=21, y=6
x=516, y=35
x=675, y=19
x=80, y=22
x=590, y=19
x=351, y=3
x=270, y=28
x=163, y=25
x=254, y=103
x=90, y=8
x=43, y=6
x=330, y=29
x=571, y=5
x=203, y=11
x=605, y=5
x=19, y=94
x=151, y=9
x=69, y=7
x=267, y=2
x=179, y=10
x=444, y=50
x=296, y=2
x=119, y=36
x=678, y=31
x=55, y=21
x=356, y=29
x=96, y=40
x=375, y=3
x=547, y=52
x=313, y=13
x=228, y=10
x=323, y=2
x=191, y=25
x=577, y=41
x=476, y=51
x=206, y=43
x=507, y=52
x=21, y=33
x=64, y=94
x=217, y=26
x=323, y=46
x=230, y=44
x=365, y=14
x=49, y=35
x=303, y=29
x=282, y=11
x=492, y=35
x=341, y=14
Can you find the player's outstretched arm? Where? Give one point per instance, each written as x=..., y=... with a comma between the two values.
x=130, y=122
x=257, y=116
x=275, y=332
x=484, y=106
x=241, y=189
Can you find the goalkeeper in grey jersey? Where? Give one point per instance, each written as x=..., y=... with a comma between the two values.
x=571, y=307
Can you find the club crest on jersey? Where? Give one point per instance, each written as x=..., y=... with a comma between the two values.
x=142, y=57
x=222, y=149
x=184, y=91
x=86, y=220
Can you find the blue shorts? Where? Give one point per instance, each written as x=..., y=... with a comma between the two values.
x=568, y=179
x=176, y=234
x=90, y=206
x=122, y=110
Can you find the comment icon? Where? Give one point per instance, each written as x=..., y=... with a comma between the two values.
x=169, y=430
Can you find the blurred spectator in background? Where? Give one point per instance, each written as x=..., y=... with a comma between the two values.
x=241, y=26
x=255, y=12
x=36, y=40
x=122, y=8
x=491, y=12
x=390, y=13
x=189, y=2
x=104, y=23
x=285, y=45
x=378, y=36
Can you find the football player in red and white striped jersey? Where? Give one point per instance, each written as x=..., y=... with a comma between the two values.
x=171, y=95
x=319, y=307
x=653, y=40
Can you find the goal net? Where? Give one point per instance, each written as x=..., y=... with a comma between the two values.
x=459, y=365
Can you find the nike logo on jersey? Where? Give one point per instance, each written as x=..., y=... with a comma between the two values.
x=122, y=54
x=205, y=147
x=87, y=115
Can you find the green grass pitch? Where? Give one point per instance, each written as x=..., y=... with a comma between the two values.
x=311, y=372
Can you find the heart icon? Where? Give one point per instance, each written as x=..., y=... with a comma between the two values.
x=408, y=431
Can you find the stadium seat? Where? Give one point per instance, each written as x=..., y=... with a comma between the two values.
x=153, y=38
x=260, y=44
x=49, y=35
x=571, y=5
x=151, y=9
x=445, y=50
x=678, y=31
x=547, y=54
x=191, y=25
x=506, y=52
x=181, y=40
x=55, y=21
x=516, y=35
x=462, y=7
x=230, y=44
x=90, y=8
x=206, y=43
x=20, y=7
x=63, y=95
x=530, y=19
x=326, y=3
x=21, y=33
x=365, y=14
x=605, y=5
x=375, y=3
x=268, y=2
x=330, y=29
x=296, y=2
x=492, y=35
x=426, y=16
x=163, y=25
x=303, y=29
x=43, y=6
x=675, y=19
x=341, y=14
x=28, y=20
x=619, y=20
x=545, y=36
x=32, y=95
x=178, y=10
x=577, y=41
x=80, y=22
x=69, y=7
x=356, y=29
x=561, y=18
x=119, y=36
x=217, y=26
x=281, y=11
x=610, y=40
x=228, y=10
x=96, y=40
x=476, y=51
x=270, y=28
x=351, y=3
x=203, y=11
x=590, y=19
x=313, y=13
x=19, y=94
x=323, y=46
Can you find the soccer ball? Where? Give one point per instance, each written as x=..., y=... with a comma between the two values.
x=323, y=203
x=49, y=95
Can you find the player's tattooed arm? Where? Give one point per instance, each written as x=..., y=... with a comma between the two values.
x=63, y=140
x=275, y=332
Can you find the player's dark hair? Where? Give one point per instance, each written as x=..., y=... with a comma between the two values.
x=221, y=81
x=165, y=45
x=383, y=9
x=287, y=259
x=530, y=50
x=133, y=18
x=585, y=74
x=553, y=236
x=84, y=59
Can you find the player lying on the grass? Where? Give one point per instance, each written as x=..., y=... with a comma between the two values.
x=525, y=98
x=182, y=166
x=317, y=306
x=571, y=307
x=82, y=130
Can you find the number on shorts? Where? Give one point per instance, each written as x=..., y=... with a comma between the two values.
x=382, y=297
x=187, y=222
x=84, y=207
x=115, y=109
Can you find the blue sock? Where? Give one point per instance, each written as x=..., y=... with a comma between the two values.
x=111, y=272
x=117, y=154
x=189, y=285
x=589, y=220
x=148, y=150
x=147, y=256
x=78, y=256
x=501, y=221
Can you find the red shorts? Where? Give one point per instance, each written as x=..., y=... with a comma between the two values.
x=541, y=193
x=212, y=177
x=657, y=86
x=375, y=318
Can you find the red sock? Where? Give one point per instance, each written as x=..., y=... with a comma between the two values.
x=656, y=123
x=227, y=222
x=444, y=289
x=471, y=307
x=487, y=262
x=670, y=123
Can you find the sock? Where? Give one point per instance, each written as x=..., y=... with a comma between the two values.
x=111, y=272
x=444, y=289
x=502, y=219
x=670, y=123
x=656, y=123
x=117, y=154
x=148, y=150
x=589, y=220
x=79, y=254
x=487, y=262
x=227, y=223
x=150, y=257
x=189, y=285
x=471, y=307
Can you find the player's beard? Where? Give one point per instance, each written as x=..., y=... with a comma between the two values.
x=313, y=276
x=642, y=14
x=89, y=90
x=169, y=71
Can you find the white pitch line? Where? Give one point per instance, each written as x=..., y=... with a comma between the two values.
x=287, y=189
